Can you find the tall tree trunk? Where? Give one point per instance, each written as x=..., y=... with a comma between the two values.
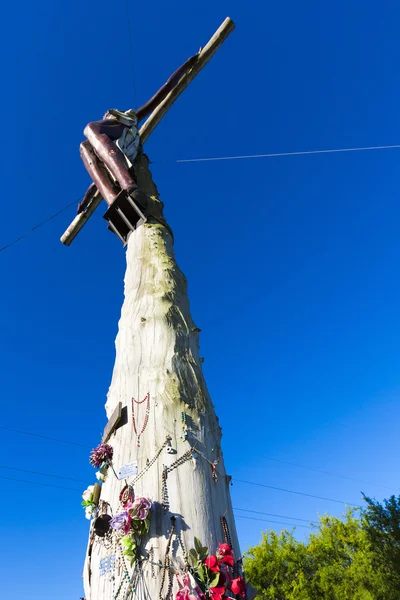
x=157, y=352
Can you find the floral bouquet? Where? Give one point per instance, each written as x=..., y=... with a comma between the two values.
x=134, y=522
x=212, y=578
x=88, y=504
x=101, y=458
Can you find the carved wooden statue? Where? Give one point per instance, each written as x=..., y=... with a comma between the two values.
x=109, y=156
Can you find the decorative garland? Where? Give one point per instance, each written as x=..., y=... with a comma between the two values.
x=146, y=417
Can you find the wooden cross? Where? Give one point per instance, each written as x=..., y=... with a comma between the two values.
x=112, y=423
x=204, y=56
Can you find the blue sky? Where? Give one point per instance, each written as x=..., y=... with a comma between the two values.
x=292, y=262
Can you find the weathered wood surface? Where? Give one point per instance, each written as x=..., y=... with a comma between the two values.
x=157, y=351
x=207, y=52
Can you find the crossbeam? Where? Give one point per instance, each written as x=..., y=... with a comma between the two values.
x=156, y=116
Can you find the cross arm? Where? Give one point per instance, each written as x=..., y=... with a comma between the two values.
x=154, y=119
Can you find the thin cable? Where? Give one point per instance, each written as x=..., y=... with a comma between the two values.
x=128, y=19
x=268, y=521
x=60, y=487
x=45, y=474
x=45, y=437
x=285, y=462
x=21, y=237
x=292, y=491
x=260, y=512
x=278, y=154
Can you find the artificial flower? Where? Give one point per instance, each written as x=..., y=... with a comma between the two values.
x=139, y=509
x=225, y=554
x=100, y=476
x=188, y=588
x=90, y=512
x=121, y=521
x=100, y=455
x=238, y=586
x=217, y=593
x=88, y=493
x=212, y=563
x=118, y=522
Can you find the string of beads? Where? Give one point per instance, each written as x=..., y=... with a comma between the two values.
x=146, y=417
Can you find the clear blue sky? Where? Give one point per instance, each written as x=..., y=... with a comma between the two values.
x=293, y=263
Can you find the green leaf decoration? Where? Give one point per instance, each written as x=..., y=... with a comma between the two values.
x=203, y=553
x=193, y=557
x=201, y=573
x=198, y=545
x=127, y=541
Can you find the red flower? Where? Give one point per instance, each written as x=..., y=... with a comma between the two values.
x=217, y=593
x=224, y=549
x=225, y=554
x=212, y=563
x=238, y=586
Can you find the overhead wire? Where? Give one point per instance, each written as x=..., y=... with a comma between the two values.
x=44, y=474
x=45, y=437
x=197, y=160
x=260, y=512
x=279, y=154
x=32, y=229
x=233, y=479
x=286, y=462
x=60, y=487
x=268, y=521
x=271, y=487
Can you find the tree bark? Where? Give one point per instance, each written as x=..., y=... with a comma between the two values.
x=157, y=352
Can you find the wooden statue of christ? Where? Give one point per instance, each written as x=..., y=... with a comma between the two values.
x=112, y=146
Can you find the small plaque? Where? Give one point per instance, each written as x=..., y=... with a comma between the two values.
x=107, y=564
x=128, y=470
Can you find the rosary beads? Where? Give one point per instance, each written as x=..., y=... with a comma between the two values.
x=146, y=417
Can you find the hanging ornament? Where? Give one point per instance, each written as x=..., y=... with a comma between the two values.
x=146, y=417
x=127, y=495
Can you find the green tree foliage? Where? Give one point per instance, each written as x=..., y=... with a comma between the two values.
x=336, y=563
x=382, y=524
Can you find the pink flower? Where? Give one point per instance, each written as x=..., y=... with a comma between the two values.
x=139, y=509
x=225, y=555
x=238, y=586
x=212, y=563
x=188, y=589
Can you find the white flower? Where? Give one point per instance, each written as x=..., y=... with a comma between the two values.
x=100, y=476
x=89, y=512
x=88, y=493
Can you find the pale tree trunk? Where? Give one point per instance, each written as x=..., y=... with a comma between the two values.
x=157, y=352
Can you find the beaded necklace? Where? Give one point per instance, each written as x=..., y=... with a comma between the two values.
x=146, y=417
x=125, y=576
x=164, y=490
x=167, y=561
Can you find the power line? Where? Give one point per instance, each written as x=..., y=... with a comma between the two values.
x=21, y=237
x=260, y=512
x=45, y=437
x=285, y=462
x=278, y=154
x=45, y=474
x=196, y=160
x=268, y=521
x=128, y=20
x=292, y=491
x=60, y=487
